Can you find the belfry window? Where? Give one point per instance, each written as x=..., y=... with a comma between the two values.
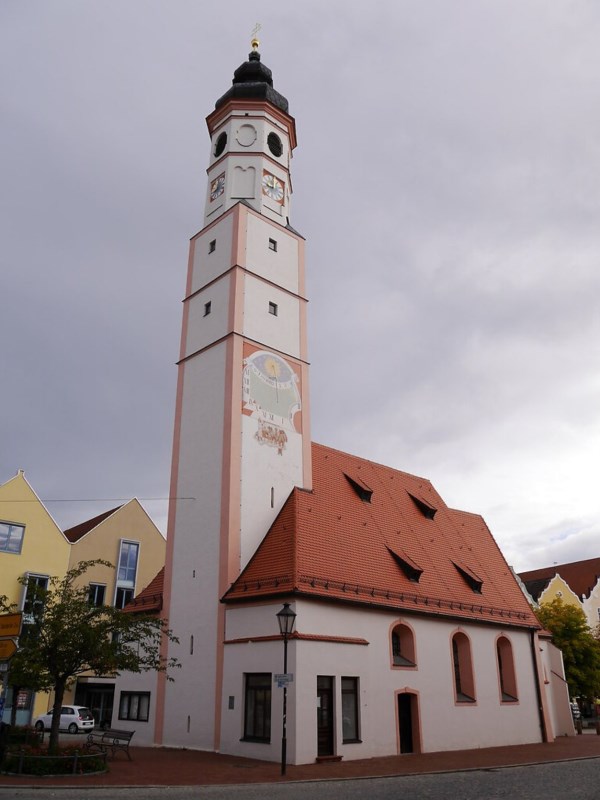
x=220, y=144
x=274, y=144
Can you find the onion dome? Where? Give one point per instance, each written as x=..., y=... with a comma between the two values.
x=253, y=80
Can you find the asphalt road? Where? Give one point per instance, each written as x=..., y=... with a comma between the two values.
x=566, y=780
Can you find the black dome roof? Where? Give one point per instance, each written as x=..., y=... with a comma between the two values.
x=254, y=80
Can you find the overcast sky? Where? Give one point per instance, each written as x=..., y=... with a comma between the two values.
x=447, y=179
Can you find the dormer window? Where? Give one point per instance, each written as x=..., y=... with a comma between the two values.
x=360, y=487
x=472, y=580
x=409, y=567
x=425, y=509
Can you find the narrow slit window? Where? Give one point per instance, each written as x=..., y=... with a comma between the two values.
x=272, y=497
x=207, y=308
x=273, y=309
x=212, y=246
x=273, y=245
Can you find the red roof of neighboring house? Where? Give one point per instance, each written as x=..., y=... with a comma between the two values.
x=78, y=531
x=580, y=576
x=150, y=599
x=396, y=545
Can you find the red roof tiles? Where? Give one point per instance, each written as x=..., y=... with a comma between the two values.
x=150, y=599
x=330, y=543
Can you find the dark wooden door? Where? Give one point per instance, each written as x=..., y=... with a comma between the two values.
x=324, y=715
x=405, y=722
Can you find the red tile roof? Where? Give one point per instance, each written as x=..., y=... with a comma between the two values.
x=580, y=576
x=77, y=532
x=150, y=599
x=331, y=544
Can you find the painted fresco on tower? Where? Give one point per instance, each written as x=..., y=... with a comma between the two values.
x=271, y=394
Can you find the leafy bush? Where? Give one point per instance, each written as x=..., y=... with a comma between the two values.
x=34, y=760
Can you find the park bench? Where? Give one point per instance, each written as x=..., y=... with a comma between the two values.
x=109, y=741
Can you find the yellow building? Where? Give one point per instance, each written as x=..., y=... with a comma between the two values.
x=128, y=539
x=32, y=544
x=576, y=583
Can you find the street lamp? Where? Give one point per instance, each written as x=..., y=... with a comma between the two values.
x=286, y=619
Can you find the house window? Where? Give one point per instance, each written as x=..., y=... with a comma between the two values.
x=273, y=244
x=273, y=309
x=11, y=537
x=134, y=706
x=128, y=558
x=257, y=707
x=462, y=664
x=212, y=246
x=35, y=595
x=403, y=647
x=207, y=307
x=123, y=596
x=350, y=730
x=506, y=671
x=96, y=595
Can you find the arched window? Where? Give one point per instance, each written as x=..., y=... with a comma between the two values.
x=462, y=663
x=506, y=671
x=403, y=646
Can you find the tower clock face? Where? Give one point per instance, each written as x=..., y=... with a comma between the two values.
x=272, y=187
x=217, y=186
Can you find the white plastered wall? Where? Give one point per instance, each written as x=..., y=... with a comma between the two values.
x=444, y=724
x=194, y=600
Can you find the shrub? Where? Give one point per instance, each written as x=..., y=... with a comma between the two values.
x=34, y=760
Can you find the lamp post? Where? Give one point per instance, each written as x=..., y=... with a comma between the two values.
x=286, y=619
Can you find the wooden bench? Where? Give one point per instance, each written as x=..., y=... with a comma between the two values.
x=109, y=741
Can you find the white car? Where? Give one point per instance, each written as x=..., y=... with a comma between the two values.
x=74, y=719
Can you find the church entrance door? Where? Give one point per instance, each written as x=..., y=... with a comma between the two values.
x=408, y=722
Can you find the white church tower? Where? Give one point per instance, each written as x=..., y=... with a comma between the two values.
x=242, y=434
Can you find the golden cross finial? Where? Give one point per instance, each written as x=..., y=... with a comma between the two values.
x=254, y=41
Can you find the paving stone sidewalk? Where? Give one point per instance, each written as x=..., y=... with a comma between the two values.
x=169, y=767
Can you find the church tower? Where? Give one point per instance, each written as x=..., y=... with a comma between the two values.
x=242, y=435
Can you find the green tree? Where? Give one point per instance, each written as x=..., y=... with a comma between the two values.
x=64, y=635
x=580, y=648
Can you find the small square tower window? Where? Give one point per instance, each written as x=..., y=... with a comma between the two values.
x=207, y=307
x=273, y=309
x=212, y=246
x=273, y=244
